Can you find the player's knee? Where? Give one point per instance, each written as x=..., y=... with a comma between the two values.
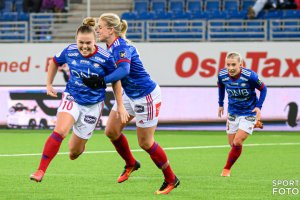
x=73, y=156
x=74, y=153
x=238, y=142
x=111, y=134
x=62, y=131
x=145, y=145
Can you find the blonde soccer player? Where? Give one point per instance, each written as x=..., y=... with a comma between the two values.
x=244, y=108
x=141, y=98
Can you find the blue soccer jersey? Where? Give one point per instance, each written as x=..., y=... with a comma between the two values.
x=100, y=64
x=242, y=97
x=137, y=83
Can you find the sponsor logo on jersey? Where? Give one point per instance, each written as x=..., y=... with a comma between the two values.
x=79, y=73
x=90, y=119
x=237, y=92
x=73, y=54
x=225, y=79
x=234, y=83
x=96, y=65
x=139, y=108
x=122, y=54
x=141, y=122
x=243, y=85
x=99, y=59
x=70, y=98
x=250, y=118
x=84, y=62
x=244, y=79
x=231, y=118
x=74, y=62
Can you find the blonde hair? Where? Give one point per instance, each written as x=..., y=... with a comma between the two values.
x=235, y=55
x=88, y=26
x=113, y=21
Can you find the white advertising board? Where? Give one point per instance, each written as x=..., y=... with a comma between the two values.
x=181, y=106
x=169, y=64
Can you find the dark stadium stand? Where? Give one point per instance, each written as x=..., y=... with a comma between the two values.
x=231, y=5
x=194, y=6
x=245, y=4
x=212, y=5
x=158, y=6
x=177, y=6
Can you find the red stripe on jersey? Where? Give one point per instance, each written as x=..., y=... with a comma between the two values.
x=261, y=87
x=112, y=43
x=148, y=108
x=54, y=60
x=123, y=60
x=151, y=106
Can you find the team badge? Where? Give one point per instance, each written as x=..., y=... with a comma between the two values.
x=122, y=54
x=259, y=82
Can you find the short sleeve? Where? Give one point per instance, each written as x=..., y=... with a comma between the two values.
x=60, y=58
x=122, y=54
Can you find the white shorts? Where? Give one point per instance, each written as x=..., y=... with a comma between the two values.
x=86, y=117
x=145, y=109
x=245, y=123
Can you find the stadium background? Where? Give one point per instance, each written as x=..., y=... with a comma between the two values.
x=183, y=44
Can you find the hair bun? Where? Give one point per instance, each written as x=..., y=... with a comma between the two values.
x=89, y=21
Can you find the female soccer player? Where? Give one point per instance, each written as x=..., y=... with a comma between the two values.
x=142, y=99
x=82, y=102
x=243, y=106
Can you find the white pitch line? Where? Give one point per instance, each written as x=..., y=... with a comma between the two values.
x=167, y=148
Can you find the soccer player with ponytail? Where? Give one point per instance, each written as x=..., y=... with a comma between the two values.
x=141, y=98
x=82, y=102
